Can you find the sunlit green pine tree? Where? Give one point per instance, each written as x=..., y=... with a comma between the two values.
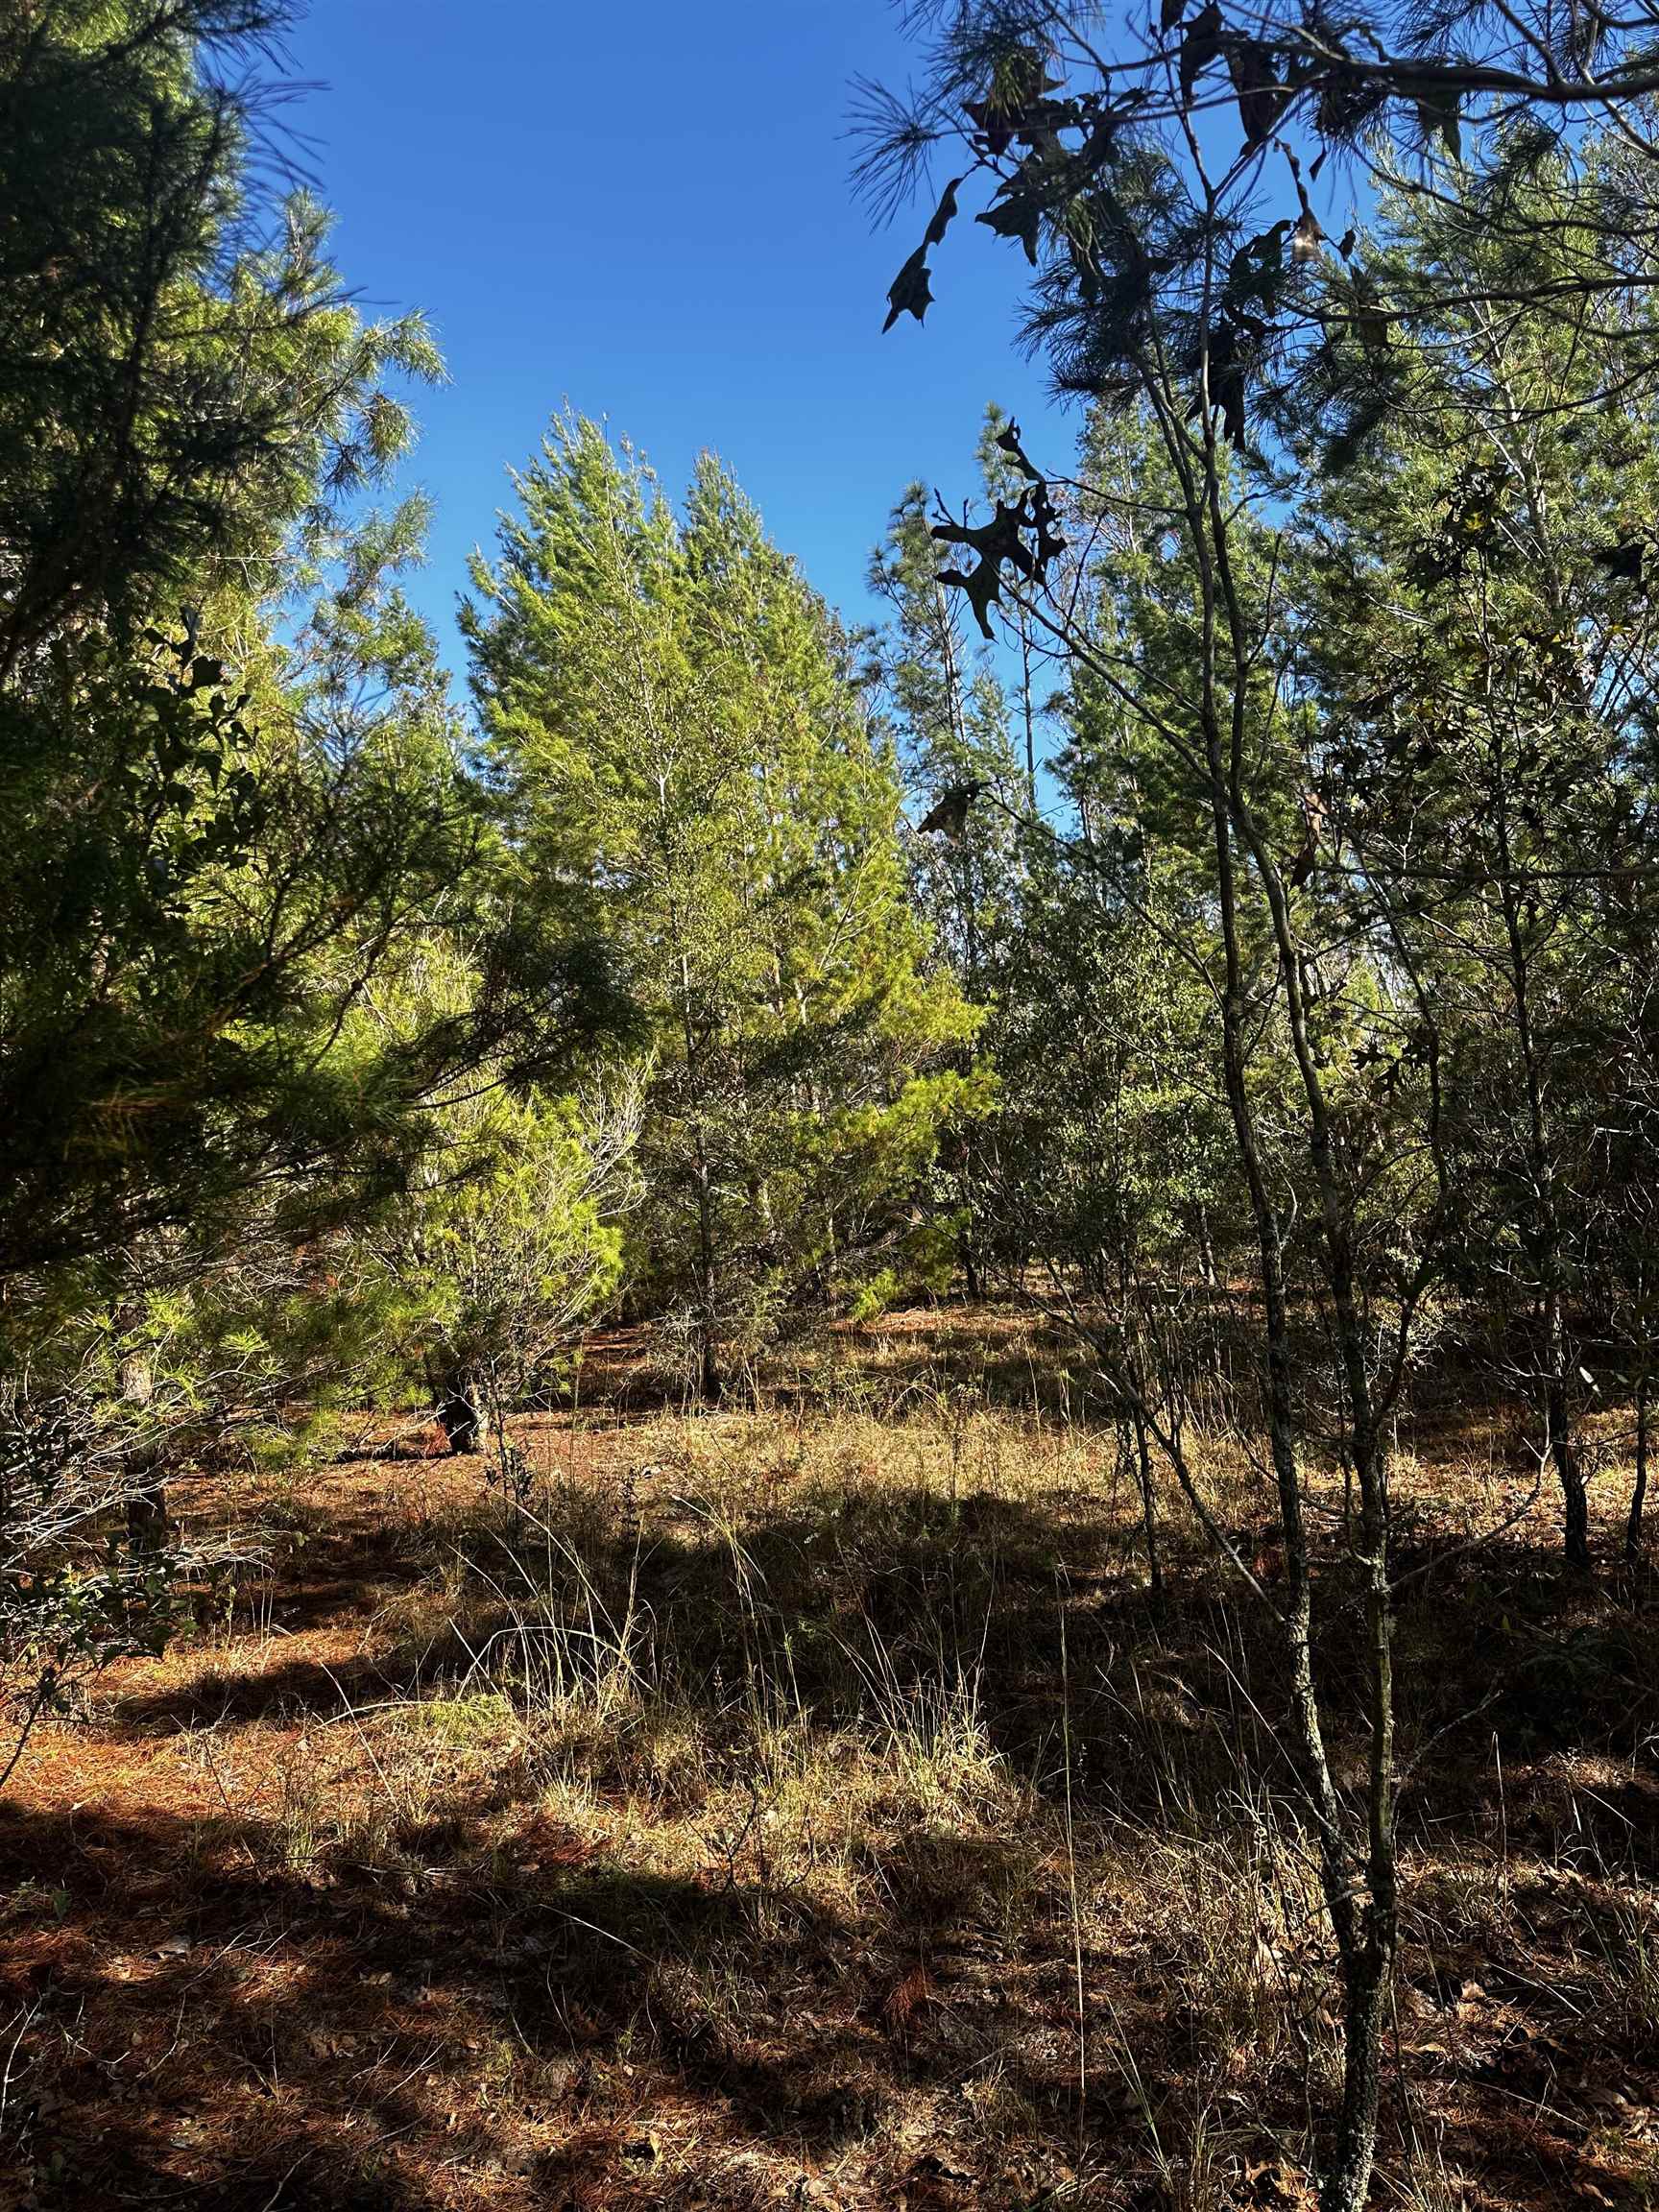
x=949, y=715
x=943, y=699
x=673, y=723
x=231, y=784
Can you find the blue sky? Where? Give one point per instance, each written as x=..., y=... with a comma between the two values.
x=646, y=210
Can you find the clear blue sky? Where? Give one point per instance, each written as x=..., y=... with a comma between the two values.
x=645, y=209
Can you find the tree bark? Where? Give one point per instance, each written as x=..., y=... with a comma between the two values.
x=1148, y=1512
x=1559, y=1439
x=1348, y=2181
x=1364, y=1925
x=1639, y=1488
x=144, y=1482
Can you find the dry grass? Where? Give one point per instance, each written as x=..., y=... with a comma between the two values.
x=807, y=1806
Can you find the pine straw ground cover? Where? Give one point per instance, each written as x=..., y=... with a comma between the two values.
x=807, y=1807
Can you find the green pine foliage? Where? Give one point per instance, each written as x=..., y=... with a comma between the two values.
x=682, y=749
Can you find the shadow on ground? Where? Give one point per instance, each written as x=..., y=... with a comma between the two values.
x=495, y=2004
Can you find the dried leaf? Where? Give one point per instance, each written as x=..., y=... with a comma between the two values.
x=1307, y=238
x=910, y=292
x=1200, y=45
x=1260, y=95
x=943, y=215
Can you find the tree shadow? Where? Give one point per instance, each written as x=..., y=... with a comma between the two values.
x=209, y=2026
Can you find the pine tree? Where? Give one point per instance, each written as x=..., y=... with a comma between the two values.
x=673, y=721
x=1480, y=639
x=945, y=703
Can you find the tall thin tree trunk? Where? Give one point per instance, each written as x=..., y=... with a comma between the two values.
x=1028, y=710
x=1206, y=1249
x=1148, y=1512
x=712, y=1381
x=1546, y=1233
x=1639, y=1488
x=1358, y=1885
x=1348, y=2182
x=145, y=1482
x=1559, y=1439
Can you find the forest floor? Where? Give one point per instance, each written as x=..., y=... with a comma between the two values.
x=810, y=1806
